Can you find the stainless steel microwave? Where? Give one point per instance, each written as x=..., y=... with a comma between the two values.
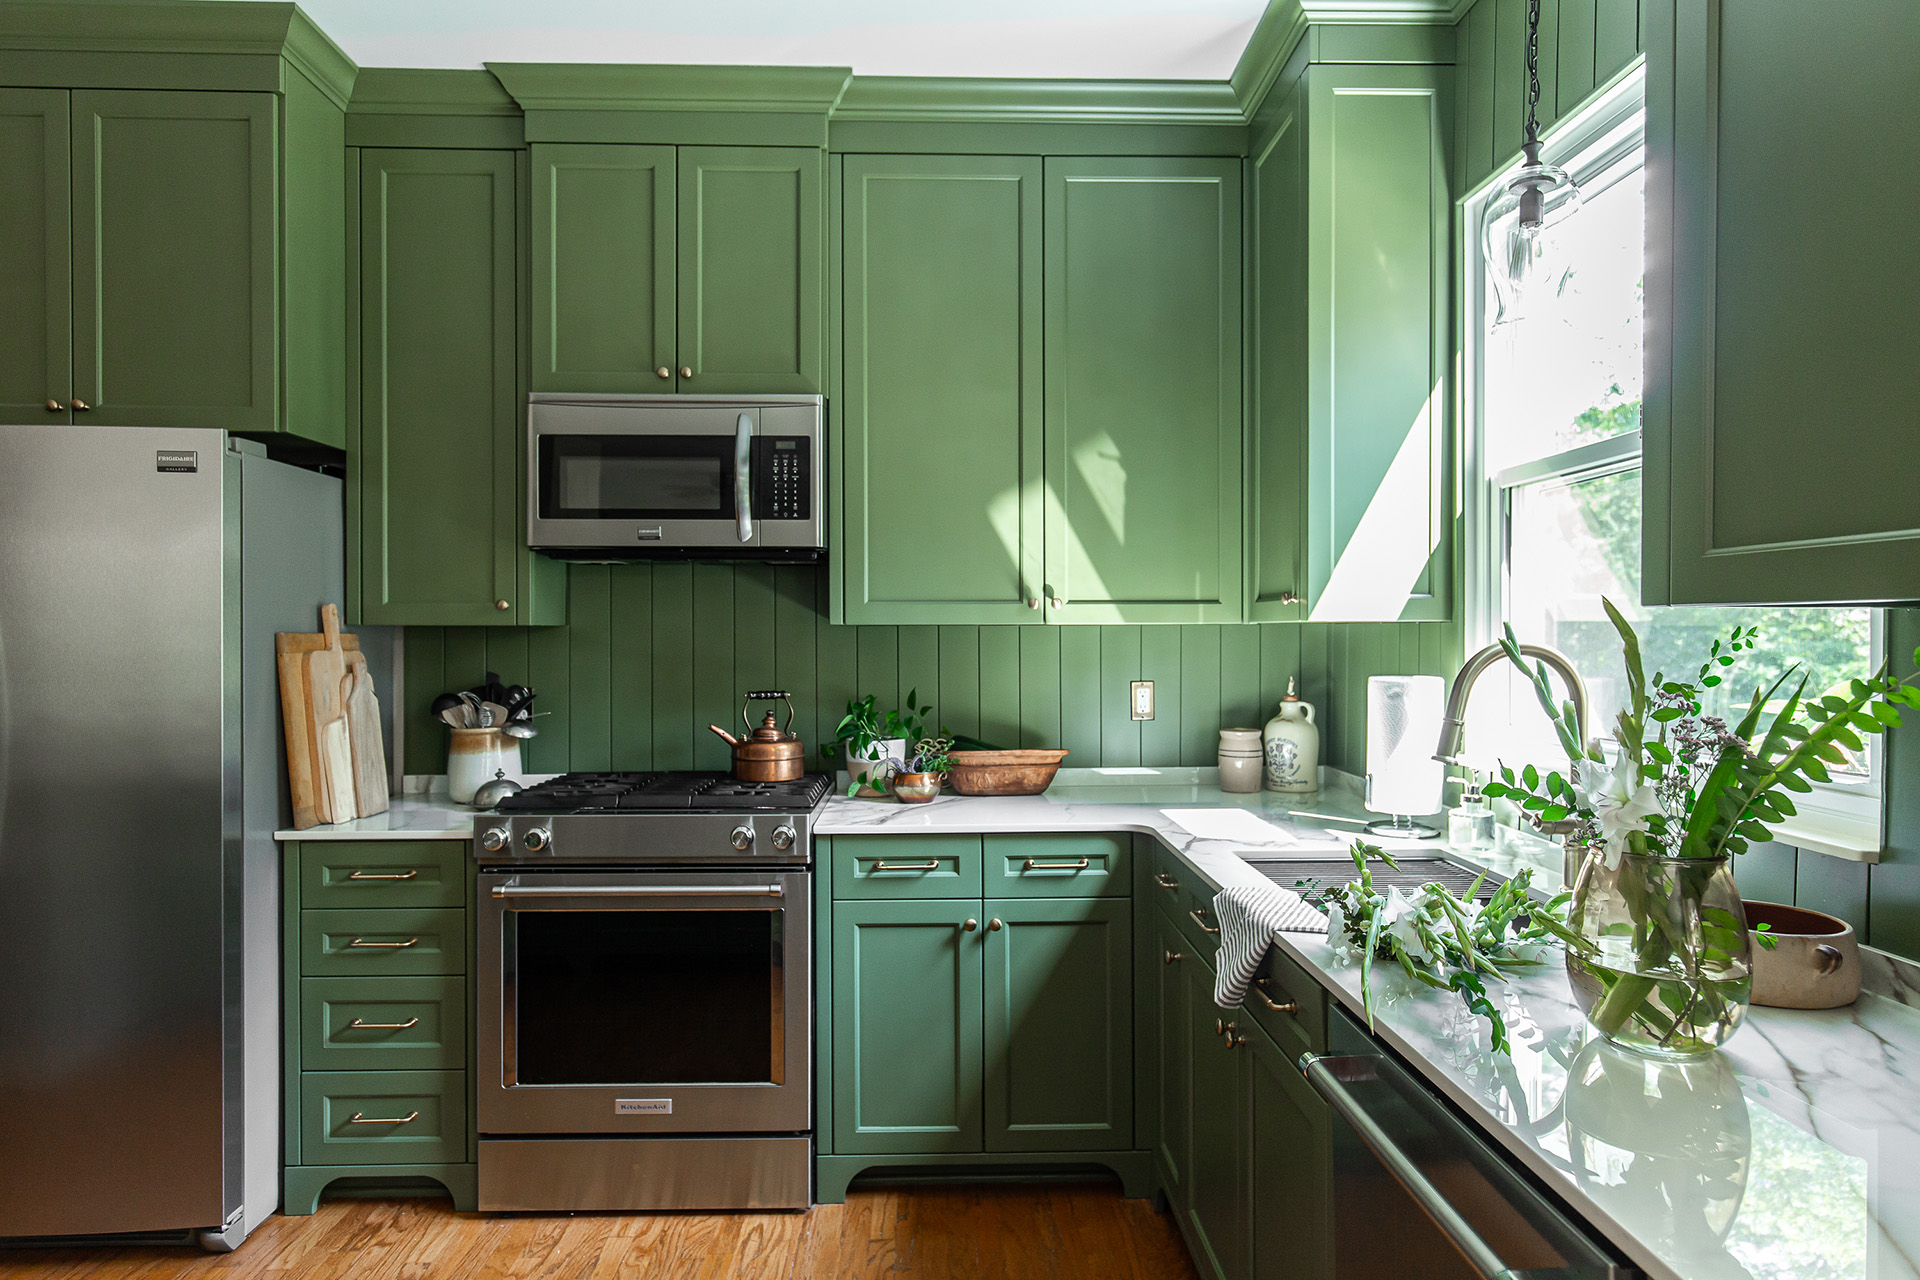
x=627, y=477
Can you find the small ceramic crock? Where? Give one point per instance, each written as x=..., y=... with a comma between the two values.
x=1814, y=962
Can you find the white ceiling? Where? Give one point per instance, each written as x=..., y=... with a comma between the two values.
x=1126, y=39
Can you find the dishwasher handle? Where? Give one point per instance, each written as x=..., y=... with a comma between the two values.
x=1325, y=1073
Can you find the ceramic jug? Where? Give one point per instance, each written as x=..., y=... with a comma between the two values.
x=1292, y=747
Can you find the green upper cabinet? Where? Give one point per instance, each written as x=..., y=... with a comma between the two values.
x=36, y=316
x=1781, y=269
x=751, y=236
x=940, y=412
x=1351, y=431
x=661, y=268
x=439, y=525
x=175, y=258
x=1059, y=1024
x=1143, y=395
x=603, y=268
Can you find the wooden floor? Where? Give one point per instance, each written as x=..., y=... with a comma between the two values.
x=993, y=1232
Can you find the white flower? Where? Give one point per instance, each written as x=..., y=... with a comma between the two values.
x=1337, y=933
x=1400, y=920
x=1623, y=805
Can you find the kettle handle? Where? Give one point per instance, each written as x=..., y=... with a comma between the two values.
x=765, y=695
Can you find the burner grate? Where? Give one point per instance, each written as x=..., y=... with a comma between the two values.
x=664, y=791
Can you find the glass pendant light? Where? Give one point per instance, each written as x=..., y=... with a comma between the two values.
x=1516, y=225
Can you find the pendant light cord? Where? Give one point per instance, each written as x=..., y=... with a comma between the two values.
x=1532, y=140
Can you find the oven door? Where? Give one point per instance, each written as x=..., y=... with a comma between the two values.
x=635, y=1002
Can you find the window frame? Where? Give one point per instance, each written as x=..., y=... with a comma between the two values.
x=1591, y=144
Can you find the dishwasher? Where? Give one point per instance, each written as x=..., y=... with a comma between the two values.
x=1417, y=1191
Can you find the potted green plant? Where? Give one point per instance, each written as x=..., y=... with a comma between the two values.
x=924, y=771
x=874, y=745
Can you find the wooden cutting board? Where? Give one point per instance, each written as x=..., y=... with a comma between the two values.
x=367, y=745
x=305, y=771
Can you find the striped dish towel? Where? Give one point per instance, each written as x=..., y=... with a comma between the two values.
x=1249, y=916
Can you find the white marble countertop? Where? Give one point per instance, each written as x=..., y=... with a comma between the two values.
x=1792, y=1155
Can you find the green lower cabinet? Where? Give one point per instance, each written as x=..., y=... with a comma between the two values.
x=383, y=1117
x=1216, y=1218
x=1059, y=1024
x=1290, y=1167
x=1172, y=1046
x=907, y=1052
x=383, y=1024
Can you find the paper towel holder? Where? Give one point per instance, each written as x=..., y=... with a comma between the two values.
x=1403, y=779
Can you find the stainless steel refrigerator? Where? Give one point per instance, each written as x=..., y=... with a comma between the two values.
x=143, y=572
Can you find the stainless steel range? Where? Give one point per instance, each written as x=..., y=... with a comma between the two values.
x=646, y=994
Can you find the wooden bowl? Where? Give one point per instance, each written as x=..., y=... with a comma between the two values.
x=1003, y=773
x=1814, y=962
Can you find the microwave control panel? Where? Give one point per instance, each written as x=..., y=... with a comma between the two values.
x=783, y=478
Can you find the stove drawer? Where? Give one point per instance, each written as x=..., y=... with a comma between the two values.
x=383, y=873
x=383, y=1024
x=338, y=943
x=905, y=866
x=1042, y=866
x=383, y=1117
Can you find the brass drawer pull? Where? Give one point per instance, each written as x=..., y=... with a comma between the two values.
x=374, y=875
x=1166, y=881
x=1081, y=865
x=1203, y=924
x=1291, y=1006
x=409, y=1118
x=907, y=866
x=364, y=945
x=357, y=1025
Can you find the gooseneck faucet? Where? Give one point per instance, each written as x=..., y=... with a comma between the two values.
x=1453, y=728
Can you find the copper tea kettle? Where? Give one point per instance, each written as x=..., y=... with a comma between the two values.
x=767, y=753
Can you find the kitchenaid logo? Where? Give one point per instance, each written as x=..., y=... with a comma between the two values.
x=651, y=535
x=643, y=1106
x=176, y=460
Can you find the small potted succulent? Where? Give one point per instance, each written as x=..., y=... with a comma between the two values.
x=874, y=746
x=921, y=776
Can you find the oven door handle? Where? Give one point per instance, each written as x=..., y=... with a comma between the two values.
x=1322, y=1074
x=743, y=477
x=640, y=891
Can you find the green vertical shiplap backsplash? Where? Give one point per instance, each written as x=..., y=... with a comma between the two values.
x=652, y=654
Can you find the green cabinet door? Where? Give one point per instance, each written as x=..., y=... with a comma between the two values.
x=440, y=531
x=1378, y=283
x=1290, y=1167
x=175, y=252
x=907, y=1026
x=940, y=419
x=1216, y=1184
x=1172, y=1046
x=1059, y=1024
x=1143, y=397
x=1277, y=421
x=750, y=244
x=36, y=310
x=1781, y=270
x=603, y=268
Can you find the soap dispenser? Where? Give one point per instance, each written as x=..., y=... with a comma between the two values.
x=1470, y=825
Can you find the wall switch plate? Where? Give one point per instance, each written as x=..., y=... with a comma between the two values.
x=1142, y=691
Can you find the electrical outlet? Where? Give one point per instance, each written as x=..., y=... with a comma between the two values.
x=1142, y=691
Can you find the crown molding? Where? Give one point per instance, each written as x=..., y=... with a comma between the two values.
x=400, y=91
x=546, y=86
x=1018, y=101
x=1287, y=22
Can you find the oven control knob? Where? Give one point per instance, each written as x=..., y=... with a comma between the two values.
x=783, y=837
x=495, y=839
x=742, y=838
x=536, y=839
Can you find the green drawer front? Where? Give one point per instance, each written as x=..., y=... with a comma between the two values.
x=383, y=1117
x=416, y=941
x=383, y=1024
x=1196, y=919
x=1051, y=866
x=1296, y=1030
x=384, y=873
x=1170, y=880
x=906, y=866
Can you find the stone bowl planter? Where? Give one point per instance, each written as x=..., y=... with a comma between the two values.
x=1814, y=962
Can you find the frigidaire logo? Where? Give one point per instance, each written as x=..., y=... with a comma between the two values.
x=176, y=460
x=643, y=1106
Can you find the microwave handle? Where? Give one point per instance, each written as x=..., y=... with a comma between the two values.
x=743, y=477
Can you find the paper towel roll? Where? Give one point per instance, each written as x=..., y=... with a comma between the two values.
x=1403, y=724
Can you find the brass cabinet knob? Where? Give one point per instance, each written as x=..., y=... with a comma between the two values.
x=1173, y=957
x=54, y=406
x=1234, y=1041
x=994, y=925
x=1056, y=602
x=971, y=924
x=502, y=605
x=664, y=372
x=1289, y=597
x=686, y=371
x=81, y=406
x=1219, y=1026
x=1032, y=602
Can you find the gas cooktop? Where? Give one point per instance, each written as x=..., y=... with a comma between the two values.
x=682, y=792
